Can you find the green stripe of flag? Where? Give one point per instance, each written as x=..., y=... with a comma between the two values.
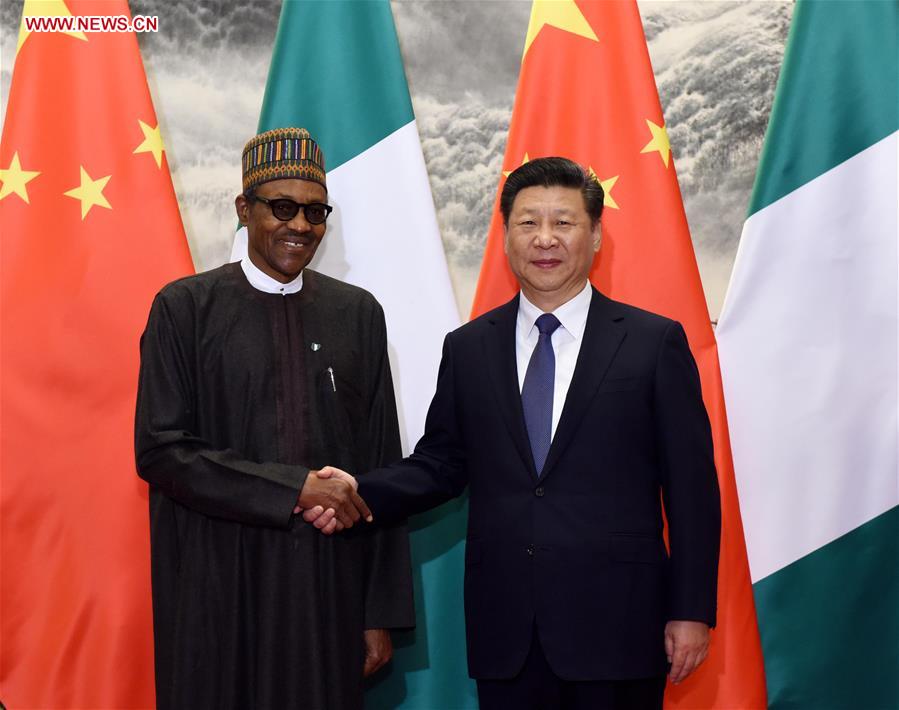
x=336, y=61
x=831, y=623
x=838, y=92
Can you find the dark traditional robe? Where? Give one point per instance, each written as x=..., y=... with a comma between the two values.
x=241, y=393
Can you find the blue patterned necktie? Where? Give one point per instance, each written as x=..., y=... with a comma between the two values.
x=537, y=391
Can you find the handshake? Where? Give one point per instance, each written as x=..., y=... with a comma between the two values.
x=330, y=502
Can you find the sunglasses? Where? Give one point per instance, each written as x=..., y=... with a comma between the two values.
x=285, y=210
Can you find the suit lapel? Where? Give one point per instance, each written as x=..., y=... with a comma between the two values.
x=499, y=350
x=603, y=335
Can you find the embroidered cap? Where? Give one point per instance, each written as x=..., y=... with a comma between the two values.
x=282, y=153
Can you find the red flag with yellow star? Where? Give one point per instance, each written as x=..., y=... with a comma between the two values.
x=587, y=92
x=91, y=231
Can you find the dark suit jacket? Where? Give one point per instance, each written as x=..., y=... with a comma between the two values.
x=579, y=549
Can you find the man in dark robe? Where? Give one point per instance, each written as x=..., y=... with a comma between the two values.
x=252, y=375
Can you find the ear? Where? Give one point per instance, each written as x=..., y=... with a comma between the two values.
x=597, y=235
x=506, y=238
x=242, y=205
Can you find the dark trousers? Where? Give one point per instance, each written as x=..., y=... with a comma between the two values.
x=536, y=687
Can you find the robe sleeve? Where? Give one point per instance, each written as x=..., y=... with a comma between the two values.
x=181, y=464
x=389, y=600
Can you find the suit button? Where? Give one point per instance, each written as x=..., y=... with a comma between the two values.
x=530, y=549
x=539, y=492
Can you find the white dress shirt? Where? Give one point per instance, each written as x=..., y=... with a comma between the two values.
x=261, y=281
x=566, y=341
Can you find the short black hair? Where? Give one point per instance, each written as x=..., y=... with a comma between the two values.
x=552, y=172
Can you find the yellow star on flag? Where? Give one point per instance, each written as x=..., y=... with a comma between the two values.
x=606, y=185
x=507, y=173
x=90, y=192
x=15, y=179
x=44, y=8
x=659, y=142
x=563, y=14
x=152, y=142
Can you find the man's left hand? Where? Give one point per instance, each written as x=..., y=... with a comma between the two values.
x=378, y=650
x=686, y=645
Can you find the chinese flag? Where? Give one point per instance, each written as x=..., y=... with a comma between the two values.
x=91, y=230
x=587, y=92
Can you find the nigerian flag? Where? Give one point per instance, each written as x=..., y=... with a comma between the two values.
x=337, y=71
x=809, y=358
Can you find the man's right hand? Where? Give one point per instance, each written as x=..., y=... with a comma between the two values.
x=327, y=494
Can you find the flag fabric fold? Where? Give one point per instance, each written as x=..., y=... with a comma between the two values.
x=346, y=84
x=91, y=231
x=809, y=356
x=586, y=91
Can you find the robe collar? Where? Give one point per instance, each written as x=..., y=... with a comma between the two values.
x=263, y=282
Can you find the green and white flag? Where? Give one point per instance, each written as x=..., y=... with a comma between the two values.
x=809, y=357
x=337, y=71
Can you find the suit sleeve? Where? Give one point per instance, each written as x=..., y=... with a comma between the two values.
x=689, y=481
x=436, y=470
x=389, y=602
x=172, y=457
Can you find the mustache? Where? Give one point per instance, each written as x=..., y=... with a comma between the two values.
x=295, y=235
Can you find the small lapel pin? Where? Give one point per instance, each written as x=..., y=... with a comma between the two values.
x=316, y=347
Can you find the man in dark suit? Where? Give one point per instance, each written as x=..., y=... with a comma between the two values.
x=572, y=418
